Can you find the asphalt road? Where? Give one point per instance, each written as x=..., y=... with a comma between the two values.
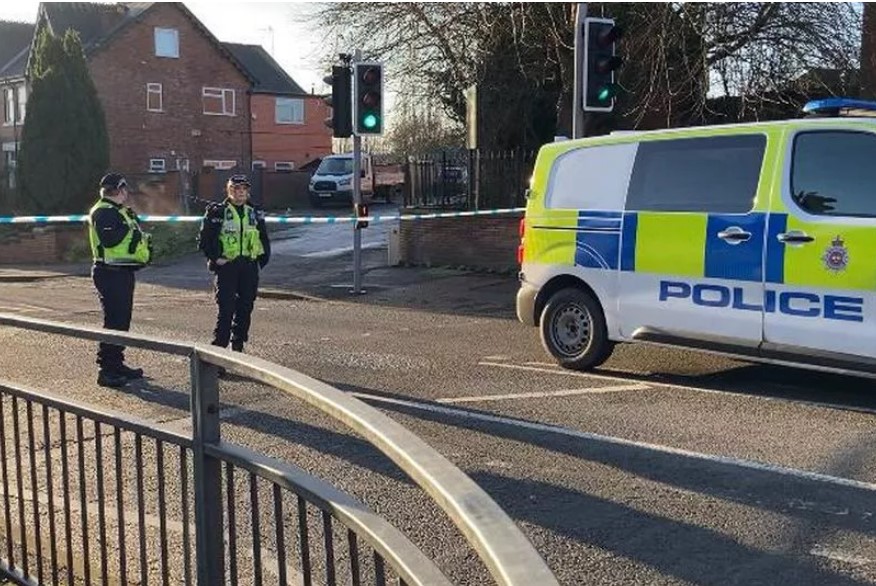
x=663, y=467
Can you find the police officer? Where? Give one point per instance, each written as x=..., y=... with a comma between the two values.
x=119, y=248
x=235, y=241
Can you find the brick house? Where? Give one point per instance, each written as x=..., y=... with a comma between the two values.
x=15, y=40
x=173, y=95
x=287, y=123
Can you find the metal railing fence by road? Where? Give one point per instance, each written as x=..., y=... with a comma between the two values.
x=93, y=497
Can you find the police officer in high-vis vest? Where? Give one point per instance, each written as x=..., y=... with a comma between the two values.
x=119, y=248
x=235, y=241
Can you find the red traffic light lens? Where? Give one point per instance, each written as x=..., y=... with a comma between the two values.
x=371, y=76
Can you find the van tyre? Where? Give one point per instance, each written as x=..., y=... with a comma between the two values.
x=573, y=330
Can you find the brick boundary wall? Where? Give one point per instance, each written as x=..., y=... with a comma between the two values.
x=35, y=245
x=480, y=243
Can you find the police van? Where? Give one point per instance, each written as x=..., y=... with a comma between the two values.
x=752, y=240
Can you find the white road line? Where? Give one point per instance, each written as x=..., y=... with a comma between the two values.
x=657, y=384
x=565, y=431
x=554, y=366
x=545, y=395
x=855, y=560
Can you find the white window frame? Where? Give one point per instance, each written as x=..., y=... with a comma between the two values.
x=220, y=165
x=284, y=166
x=155, y=88
x=223, y=94
x=289, y=102
x=9, y=112
x=22, y=102
x=164, y=34
x=259, y=165
x=157, y=165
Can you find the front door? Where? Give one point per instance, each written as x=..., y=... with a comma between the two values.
x=821, y=291
x=693, y=240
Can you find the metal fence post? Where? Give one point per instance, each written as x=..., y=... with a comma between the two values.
x=209, y=528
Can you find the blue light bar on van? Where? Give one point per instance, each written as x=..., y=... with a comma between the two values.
x=840, y=106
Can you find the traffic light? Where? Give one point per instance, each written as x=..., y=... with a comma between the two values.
x=368, y=99
x=361, y=211
x=600, y=64
x=341, y=120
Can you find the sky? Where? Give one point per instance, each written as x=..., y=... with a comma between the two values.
x=282, y=28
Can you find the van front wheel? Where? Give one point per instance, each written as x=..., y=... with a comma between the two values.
x=573, y=330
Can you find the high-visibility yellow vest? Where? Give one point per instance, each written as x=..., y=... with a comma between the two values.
x=239, y=235
x=121, y=253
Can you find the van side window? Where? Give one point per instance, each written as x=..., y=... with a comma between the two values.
x=593, y=178
x=833, y=173
x=717, y=174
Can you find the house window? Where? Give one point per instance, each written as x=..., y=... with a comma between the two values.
x=154, y=97
x=259, y=165
x=8, y=106
x=22, y=102
x=11, y=161
x=221, y=165
x=157, y=166
x=167, y=43
x=284, y=166
x=289, y=111
x=219, y=101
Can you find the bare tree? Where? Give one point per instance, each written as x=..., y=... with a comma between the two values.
x=679, y=55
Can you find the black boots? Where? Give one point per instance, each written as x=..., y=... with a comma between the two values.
x=109, y=378
x=119, y=376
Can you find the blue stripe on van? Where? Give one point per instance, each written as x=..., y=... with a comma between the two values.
x=597, y=240
x=742, y=261
x=628, y=242
x=775, y=256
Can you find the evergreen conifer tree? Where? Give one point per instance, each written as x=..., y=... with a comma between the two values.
x=64, y=143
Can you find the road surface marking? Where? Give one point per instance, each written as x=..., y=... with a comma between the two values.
x=605, y=377
x=545, y=395
x=555, y=366
x=838, y=556
x=565, y=431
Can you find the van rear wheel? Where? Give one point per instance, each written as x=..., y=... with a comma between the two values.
x=573, y=330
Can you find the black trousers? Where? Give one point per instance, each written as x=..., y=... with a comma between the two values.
x=237, y=284
x=115, y=289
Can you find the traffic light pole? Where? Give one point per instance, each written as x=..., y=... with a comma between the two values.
x=357, y=201
x=578, y=94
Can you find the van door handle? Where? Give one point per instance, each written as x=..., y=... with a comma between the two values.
x=795, y=237
x=734, y=235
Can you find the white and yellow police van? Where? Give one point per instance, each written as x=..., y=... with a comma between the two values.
x=753, y=240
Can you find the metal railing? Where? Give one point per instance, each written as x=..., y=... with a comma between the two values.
x=211, y=512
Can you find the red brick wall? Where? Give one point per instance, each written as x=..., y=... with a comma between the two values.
x=30, y=245
x=121, y=71
x=298, y=143
x=479, y=242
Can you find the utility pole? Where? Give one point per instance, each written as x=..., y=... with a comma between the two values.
x=578, y=95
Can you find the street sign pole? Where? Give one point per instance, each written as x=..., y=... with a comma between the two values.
x=357, y=201
x=578, y=93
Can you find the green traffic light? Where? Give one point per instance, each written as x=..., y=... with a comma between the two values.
x=604, y=94
x=370, y=121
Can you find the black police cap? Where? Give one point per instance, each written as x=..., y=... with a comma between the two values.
x=113, y=181
x=239, y=180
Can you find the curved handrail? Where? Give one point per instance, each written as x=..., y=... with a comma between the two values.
x=411, y=564
x=508, y=554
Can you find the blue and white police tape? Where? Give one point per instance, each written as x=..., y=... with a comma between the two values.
x=272, y=219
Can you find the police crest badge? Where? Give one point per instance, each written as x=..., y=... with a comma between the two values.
x=836, y=257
